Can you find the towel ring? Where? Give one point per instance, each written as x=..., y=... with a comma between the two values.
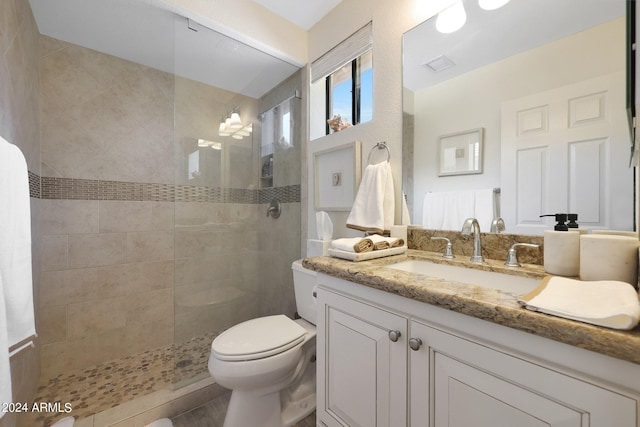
x=380, y=146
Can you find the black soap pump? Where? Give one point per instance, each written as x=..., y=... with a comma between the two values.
x=572, y=220
x=562, y=249
x=561, y=219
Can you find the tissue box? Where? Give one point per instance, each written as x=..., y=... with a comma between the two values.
x=318, y=247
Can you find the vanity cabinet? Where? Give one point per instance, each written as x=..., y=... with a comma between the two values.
x=364, y=360
x=385, y=360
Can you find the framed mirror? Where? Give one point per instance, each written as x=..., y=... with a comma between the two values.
x=546, y=81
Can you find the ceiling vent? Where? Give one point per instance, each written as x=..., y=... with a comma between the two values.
x=438, y=64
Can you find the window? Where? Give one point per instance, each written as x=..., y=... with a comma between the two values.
x=350, y=93
x=342, y=85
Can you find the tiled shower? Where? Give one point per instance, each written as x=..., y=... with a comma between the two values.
x=142, y=257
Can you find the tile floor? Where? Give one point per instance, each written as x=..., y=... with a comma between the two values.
x=93, y=390
x=212, y=415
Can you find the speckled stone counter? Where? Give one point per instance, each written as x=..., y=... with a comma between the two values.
x=487, y=304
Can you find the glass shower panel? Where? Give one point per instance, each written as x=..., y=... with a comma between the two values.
x=218, y=214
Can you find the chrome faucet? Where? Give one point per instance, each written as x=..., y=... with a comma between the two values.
x=470, y=223
x=497, y=225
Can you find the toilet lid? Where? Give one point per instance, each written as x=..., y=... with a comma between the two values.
x=258, y=338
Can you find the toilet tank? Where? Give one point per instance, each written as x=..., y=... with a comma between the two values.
x=304, y=283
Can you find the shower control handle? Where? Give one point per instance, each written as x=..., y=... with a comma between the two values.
x=274, y=209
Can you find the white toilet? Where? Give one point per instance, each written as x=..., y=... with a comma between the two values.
x=269, y=363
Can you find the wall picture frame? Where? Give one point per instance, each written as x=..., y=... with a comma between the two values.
x=460, y=153
x=337, y=173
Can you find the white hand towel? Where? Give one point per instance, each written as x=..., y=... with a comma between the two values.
x=483, y=208
x=5, y=367
x=15, y=244
x=608, y=303
x=447, y=210
x=374, y=206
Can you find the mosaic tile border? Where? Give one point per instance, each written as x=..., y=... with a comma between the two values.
x=87, y=189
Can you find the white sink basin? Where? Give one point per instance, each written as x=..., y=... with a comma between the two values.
x=487, y=279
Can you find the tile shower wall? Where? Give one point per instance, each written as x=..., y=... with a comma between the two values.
x=107, y=253
x=19, y=118
x=132, y=235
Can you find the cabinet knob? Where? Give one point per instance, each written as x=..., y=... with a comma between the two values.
x=415, y=344
x=394, y=335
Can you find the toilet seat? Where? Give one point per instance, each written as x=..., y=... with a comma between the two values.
x=258, y=338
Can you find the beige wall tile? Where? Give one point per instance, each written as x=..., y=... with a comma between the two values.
x=54, y=252
x=52, y=325
x=150, y=246
x=69, y=216
x=120, y=216
x=146, y=307
x=90, y=318
x=125, y=279
x=89, y=250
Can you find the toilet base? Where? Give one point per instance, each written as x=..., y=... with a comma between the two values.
x=296, y=411
x=249, y=409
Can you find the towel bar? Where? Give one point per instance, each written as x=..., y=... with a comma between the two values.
x=22, y=345
x=380, y=146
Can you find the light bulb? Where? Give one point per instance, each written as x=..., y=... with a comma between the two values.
x=222, y=130
x=451, y=19
x=235, y=122
x=492, y=4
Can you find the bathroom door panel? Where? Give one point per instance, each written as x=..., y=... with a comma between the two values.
x=566, y=150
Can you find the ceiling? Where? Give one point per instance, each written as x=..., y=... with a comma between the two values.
x=303, y=13
x=140, y=32
x=518, y=26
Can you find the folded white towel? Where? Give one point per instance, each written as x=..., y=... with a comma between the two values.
x=15, y=243
x=608, y=303
x=374, y=206
x=353, y=244
x=381, y=242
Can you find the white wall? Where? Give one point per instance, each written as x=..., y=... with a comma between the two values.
x=390, y=21
x=474, y=100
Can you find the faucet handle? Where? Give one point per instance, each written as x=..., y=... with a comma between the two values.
x=512, y=256
x=448, y=249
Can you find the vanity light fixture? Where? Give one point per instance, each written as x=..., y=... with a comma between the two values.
x=492, y=4
x=231, y=125
x=452, y=18
x=207, y=143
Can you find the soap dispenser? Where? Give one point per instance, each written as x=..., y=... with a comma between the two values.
x=562, y=247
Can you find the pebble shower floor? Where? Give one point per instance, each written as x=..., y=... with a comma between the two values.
x=107, y=385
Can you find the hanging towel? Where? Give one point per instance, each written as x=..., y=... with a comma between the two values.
x=15, y=243
x=374, y=206
x=483, y=208
x=5, y=367
x=353, y=244
x=447, y=210
x=16, y=286
x=608, y=303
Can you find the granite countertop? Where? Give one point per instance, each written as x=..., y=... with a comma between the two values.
x=487, y=304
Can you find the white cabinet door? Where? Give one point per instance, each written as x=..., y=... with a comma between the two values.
x=362, y=370
x=471, y=385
